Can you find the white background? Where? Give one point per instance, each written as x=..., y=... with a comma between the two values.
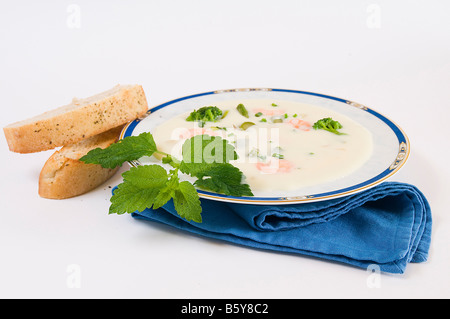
x=393, y=56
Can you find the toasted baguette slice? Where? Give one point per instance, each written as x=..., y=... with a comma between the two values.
x=81, y=119
x=64, y=176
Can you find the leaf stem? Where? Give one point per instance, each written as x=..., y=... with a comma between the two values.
x=162, y=153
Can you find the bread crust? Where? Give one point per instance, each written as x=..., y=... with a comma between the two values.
x=65, y=176
x=80, y=120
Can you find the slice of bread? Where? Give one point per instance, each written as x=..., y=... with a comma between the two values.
x=64, y=176
x=81, y=119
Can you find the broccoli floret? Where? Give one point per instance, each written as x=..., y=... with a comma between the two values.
x=328, y=124
x=205, y=114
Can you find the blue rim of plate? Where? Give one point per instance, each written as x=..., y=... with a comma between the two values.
x=402, y=156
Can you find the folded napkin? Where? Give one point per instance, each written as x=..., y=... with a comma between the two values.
x=388, y=225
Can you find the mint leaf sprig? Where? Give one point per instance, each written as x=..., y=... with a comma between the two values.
x=151, y=186
x=207, y=158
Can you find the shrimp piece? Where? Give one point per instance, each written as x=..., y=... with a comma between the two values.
x=300, y=124
x=275, y=166
x=271, y=112
x=196, y=131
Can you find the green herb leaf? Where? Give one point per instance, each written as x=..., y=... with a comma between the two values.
x=207, y=158
x=139, y=189
x=168, y=191
x=222, y=178
x=172, y=161
x=187, y=202
x=127, y=149
x=205, y=149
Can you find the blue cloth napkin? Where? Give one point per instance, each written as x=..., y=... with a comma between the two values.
x=388, y=225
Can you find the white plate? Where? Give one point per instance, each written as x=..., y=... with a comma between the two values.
x=390, y=144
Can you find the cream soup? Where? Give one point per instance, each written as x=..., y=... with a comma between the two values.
x=281, y=151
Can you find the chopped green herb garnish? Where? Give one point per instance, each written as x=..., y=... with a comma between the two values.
x=277, y=149
x=205, y=114
x=225, y=114
x=276, y=155
x=286, y=115
x=255, y=152
x=242, y=110
x=277, y=120
x=244, y=126
x=274, y=105
x=215, y=128
x=258, y=114
x=328, y=124
x=295, y=115
x=263, y=120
